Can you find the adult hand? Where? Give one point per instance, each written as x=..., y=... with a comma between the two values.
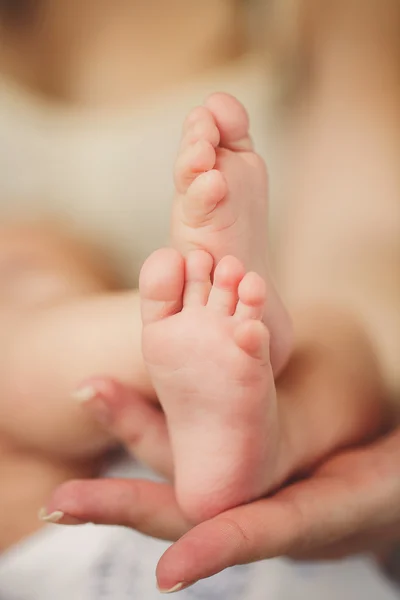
x=350, y=504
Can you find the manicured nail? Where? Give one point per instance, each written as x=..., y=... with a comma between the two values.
x=98, y=407
x=54, y=517
x=57, y=516
x=84, y=394
x=177, y=588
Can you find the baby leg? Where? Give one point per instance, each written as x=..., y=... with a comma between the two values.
x=61, y=322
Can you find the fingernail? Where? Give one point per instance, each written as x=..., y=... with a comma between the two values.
x=98, y=406
x=177, y=588
x=84, y=394
x=54, y=517
x=57, y=516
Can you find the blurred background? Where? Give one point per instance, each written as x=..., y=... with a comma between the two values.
x=93, y=95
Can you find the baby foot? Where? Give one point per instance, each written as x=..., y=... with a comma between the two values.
x=207, y=352
x=221, y=204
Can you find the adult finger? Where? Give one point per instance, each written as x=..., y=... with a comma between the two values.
x=137, y=424
x=143, y=505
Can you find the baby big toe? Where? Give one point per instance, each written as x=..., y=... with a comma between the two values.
x=161, y=285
